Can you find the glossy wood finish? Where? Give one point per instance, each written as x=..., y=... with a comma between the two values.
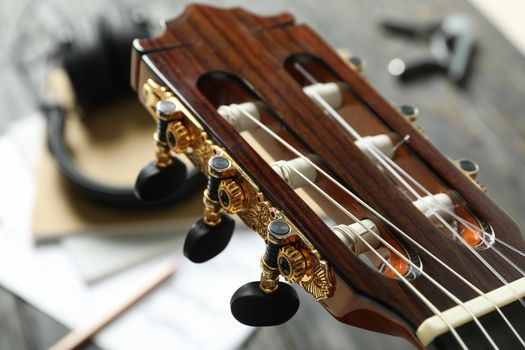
x=205, y=39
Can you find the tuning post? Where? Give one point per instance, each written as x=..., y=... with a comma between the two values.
x=235, y=115
x=171, y=128
x=269, y=271
x=329, y=93
x=297, y=172
x=382, y=143
x=220, y=167
x=353, y=236
x=291, y=262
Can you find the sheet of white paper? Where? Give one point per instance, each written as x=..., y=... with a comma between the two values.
x=191, y=311
x=100, y=255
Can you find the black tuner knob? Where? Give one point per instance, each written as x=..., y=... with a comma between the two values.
x=253, y=307
x=156, y=183
x=204, y=242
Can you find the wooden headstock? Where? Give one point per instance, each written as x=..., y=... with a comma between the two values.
x=210, y=58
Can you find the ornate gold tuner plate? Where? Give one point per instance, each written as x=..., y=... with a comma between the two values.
x=238, y=194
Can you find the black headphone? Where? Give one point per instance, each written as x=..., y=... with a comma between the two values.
x=98, y=67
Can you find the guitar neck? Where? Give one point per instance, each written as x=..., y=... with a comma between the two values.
x=502, y=334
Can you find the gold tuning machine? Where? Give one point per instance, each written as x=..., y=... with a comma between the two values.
x=278, y=232
x=211, y=234
x=178, y=136
x=229, y=190
x=267, y=302
x=292, y=263
x=355, y=62
x=161, y=179
x=469, y=167
x=164, y=110
x=231, y=196
x=410, y=112
x=219, y=168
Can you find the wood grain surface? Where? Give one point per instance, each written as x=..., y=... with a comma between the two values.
x=482, y=122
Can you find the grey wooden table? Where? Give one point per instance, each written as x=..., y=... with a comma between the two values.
x=482, y=121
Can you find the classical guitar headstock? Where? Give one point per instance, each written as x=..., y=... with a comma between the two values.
x=353, y=202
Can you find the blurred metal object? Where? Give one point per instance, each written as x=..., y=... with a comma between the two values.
x=450, y=40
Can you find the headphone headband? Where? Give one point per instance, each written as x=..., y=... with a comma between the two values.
x=99, y=75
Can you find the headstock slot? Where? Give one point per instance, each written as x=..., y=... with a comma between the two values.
x=224, y=88
x=319, y=70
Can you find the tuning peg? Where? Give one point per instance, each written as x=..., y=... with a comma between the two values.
x=410, y=112
x=211, y=234
x=253, y=307
x=161, y=179
x=469, y=167
x=204, y=242
x=357, y=63
x=268, y=302
x=344, y=53
x=156, y=183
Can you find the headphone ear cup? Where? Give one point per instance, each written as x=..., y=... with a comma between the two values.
x=98, y=64
x=89, y=69
x=118, y=28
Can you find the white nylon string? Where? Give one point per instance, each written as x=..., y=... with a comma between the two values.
x=388, y=222
x=408, y=261
x=383, y=158
x=511, y=247
x=435, y=213
x=466, y=224
x=377, y=154
x=293, y=150
x=473, y=228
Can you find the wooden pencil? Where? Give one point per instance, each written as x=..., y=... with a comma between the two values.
x=79, y=336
